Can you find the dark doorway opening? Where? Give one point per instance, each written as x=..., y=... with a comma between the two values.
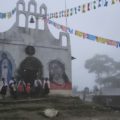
x=29, y=75
x=30, y=69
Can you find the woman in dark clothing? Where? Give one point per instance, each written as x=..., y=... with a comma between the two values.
x=46, y=86
x=38, y=87
x=13, y=90
x=3, y=89
x=28, y=89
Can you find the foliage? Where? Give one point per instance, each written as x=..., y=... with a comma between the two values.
x=112, y=81
x=105, y=68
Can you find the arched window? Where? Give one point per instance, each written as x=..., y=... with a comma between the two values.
x=22, y=20
x=42, y=11
x=21, y=7
x=32, y=24
x=64, y=41
x=41, y=24
x=32, y=8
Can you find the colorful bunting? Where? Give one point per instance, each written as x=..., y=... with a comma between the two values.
x=84, y=8
x=8, y=14
x=84, y=35
x=69, y=12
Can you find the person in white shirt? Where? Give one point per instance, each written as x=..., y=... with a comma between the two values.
x=38, y=87
x=13, y=88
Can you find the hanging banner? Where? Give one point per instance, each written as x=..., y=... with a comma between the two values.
x=84, y=35
x=95, y=4
x=7, y=15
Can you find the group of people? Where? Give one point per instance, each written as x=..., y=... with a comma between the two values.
x=22, y=89
x=8, y=86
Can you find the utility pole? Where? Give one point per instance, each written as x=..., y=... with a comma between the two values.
x=66, y=13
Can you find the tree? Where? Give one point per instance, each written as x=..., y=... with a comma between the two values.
x=112, y=81
x=103, y=66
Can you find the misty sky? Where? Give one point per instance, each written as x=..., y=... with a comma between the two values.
x=102, y=22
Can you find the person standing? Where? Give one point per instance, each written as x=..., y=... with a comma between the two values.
x=3, y=89
x=46, y=86
x=28, y=89
x=38, y=86
x=21, y=88
x=12, y=87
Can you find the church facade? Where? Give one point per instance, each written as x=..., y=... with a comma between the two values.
x=28, y=54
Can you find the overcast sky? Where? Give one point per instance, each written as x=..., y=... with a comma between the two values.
x=102, y=22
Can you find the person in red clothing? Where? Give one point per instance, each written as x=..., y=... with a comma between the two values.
x=21, y=88
x=28, y=89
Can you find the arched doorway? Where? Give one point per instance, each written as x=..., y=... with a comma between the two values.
x=30, y=69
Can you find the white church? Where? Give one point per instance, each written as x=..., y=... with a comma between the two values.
x=28, y=53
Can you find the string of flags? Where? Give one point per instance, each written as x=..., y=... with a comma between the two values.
x=7, y=14
x=82, y=8
x=70, y=12
x=84, y=35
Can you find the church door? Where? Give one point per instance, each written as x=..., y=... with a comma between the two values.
x=30, y=69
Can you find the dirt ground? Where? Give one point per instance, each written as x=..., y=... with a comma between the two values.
x=70, y=108
x=22, y=115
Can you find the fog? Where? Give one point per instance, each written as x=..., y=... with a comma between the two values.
x=102, y=22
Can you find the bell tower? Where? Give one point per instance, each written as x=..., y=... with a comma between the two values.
x=27, y=13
